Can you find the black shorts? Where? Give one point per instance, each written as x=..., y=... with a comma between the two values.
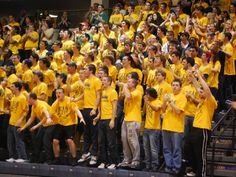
x=64, y=132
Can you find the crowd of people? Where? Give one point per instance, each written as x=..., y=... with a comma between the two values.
x=158, y=70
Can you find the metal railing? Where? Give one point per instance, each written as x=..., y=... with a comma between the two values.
x=216, y=138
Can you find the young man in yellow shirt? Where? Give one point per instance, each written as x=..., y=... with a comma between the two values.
x=173, y=127
x=106, y=125
x=196, y=142
x=92, y=96
x=131, y=124
x=42, y=111
x=18, y=111
x=66, y=113
x=152, y=129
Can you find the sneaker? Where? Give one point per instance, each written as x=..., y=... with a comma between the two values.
x=102, y=165
x=123, y=164
x=20, y=161
x=155, y=168
x=135, y=165
x=73, y=162
x=93, y=160
x=11, y=160
x=84, y=157
x=191, y=173
x=175, y=171
x=112, y=166
x=168, y=170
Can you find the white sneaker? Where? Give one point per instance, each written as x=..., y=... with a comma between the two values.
x=102, y=165
x=93, y=160
x=112, y=167
x=84, y=157
x=191, y=174
x=11, y=160
x=20, y=161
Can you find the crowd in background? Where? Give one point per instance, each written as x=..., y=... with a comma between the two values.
x=162, y=68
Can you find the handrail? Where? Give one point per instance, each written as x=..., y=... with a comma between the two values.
x=222, y=118
x=218, y=136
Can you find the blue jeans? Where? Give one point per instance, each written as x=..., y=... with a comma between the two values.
x=151, y=145
x=16, y=145
x=172, y=149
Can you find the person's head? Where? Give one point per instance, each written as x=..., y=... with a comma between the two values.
x=44, y=63
x=227, y=36
x=132, y=83
x=10, y=70
x=60, y=94
x=160, y=75
x=89, y=57
x=61, y=78
x=169, y=35
x=72, y=68
x=27, y=63
x=102, y=72
x=159, y=61
x=188, y=62
x=38, y=76
x=68, y=53
x=133, y=75
x=106, y=81
x=67, y=34
x=108, y=60
x=15, y=59
x=43, y=45
x=163, y=7
x=147, y=6
x=126, y=61
x=85, y=37
x=34, y=57
x=193, y=51
x=175, y=57
x=90, y=69
x=100, y=8
x=151, y=94
x=82, y=74
x=152, y=50
x=125, y=24
x=176, y=86
x=16, y=87
x=32, y=98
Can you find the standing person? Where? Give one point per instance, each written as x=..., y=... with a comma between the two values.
x=42, y=111
x=92, y=95
x=106, y=125
x=151, y=135
x=196, y=142
x=18, y=111
x=173, y=127
x=131, y=124
x=65, y=112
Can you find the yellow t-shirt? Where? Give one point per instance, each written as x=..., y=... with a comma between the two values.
x=172, y=121
x=27, y=77
x=18, y=107
x=134, y=17
x=2, y=98
x=113, y=72
x=15, y=46
x=91, y=86
x=49, y=78
x=122, y=76
x=29, y=44
x=190, y=108
x=40, y=89
x=204, y=113
x=132, y=107
x=205, y=69
x=213, y=79
x=64, y=111
x=11, y=79
x=151, y=78
x=162, y=89
x=37, y=112
x=153, y=117
x=85, y=48
x=19, y=70
x=67, y=44
x=229, y=68
x=108, y=96
x=103, y=39
x=115, y=18
x=71, y=79
x=77, y=89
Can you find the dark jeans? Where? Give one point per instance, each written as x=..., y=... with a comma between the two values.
x=196, y=150
x=90, y=133
x=15, y=143
x=151, y=145
x=43, y=138
x=4, y=119
x=107, y=143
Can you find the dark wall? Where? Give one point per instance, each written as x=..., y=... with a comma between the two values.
x=76, y=8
